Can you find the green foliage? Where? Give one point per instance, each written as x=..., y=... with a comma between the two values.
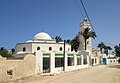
x=101, y=46
x=13, y=50
x=58, y=39
x=87, y=33
x=117, y=50
x=119, y=60
x=75, y=43
x=68, y=41
x=106, y=49
x=4, y=52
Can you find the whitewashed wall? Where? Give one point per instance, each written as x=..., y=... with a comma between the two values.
x=39, y=63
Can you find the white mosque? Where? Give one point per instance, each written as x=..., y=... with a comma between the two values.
x=41, y=41
x=50, y=56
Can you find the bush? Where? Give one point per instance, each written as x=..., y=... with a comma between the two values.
x=4, y=52
x=118, y=60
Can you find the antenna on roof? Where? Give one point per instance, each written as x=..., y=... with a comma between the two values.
x=42, y=30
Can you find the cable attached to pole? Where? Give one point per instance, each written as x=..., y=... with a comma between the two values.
x=88, y=18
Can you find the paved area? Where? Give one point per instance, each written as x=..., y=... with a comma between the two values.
x=96, y=74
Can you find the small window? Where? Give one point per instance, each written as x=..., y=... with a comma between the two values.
x=38, y=48
x=70, y=61
x=24, y=49
x=111, y=61
x=60, y=48
x=59, y=62
x=87, y=42
x=78, y=60
x=68, y=49
x=50, y=48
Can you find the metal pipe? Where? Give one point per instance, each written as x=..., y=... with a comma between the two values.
x=64, y=55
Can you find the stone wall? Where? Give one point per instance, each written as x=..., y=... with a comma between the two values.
x=16, y=69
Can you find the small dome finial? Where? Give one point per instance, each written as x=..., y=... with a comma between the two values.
x=42, y=30
x=85, y=19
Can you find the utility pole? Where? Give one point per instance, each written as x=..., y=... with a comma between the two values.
x=64, y=56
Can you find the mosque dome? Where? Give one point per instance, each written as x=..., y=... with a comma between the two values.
x=42, y=36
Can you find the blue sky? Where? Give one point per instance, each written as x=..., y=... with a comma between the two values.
x=20, y=20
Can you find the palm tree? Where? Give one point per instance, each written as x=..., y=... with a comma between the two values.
x=101, y=46
x=4, y=52
x=87, y=33
x=117, y=50
x=68, y=41
x=58, y=39
x=2, y=49
x=13, y=50
x=75, y=43
x=106, y=49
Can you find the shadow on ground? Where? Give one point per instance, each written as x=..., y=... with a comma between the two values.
x=114, y=66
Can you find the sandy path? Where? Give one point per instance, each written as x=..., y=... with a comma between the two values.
x=96, y=74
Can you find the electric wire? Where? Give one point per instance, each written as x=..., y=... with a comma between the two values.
x=91, y=23
x=79, y=8
x=86, y=13
x=88, y=18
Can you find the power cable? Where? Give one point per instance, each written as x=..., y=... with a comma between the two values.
x=109, y=44
x=79, y=8
x=88, y=18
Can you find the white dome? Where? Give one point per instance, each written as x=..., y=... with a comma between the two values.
x=42, y=36
x=29, y=41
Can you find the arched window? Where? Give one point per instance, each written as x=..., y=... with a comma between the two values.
x=38, y=48
x=50, y=48
x=68, y=49
x=24, y=49
x=60, y=48
x=87, y=42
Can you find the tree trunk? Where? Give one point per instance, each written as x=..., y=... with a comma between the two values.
x=101, y=50
x=85, y=44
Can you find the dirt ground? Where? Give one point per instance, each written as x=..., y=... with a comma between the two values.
x=96, y=74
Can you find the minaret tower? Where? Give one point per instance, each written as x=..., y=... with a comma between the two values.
x=84, y=25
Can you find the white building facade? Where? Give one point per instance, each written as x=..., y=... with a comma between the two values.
x=109, y=59
x=51, y=56
x=41, y=41
x=57, y=62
